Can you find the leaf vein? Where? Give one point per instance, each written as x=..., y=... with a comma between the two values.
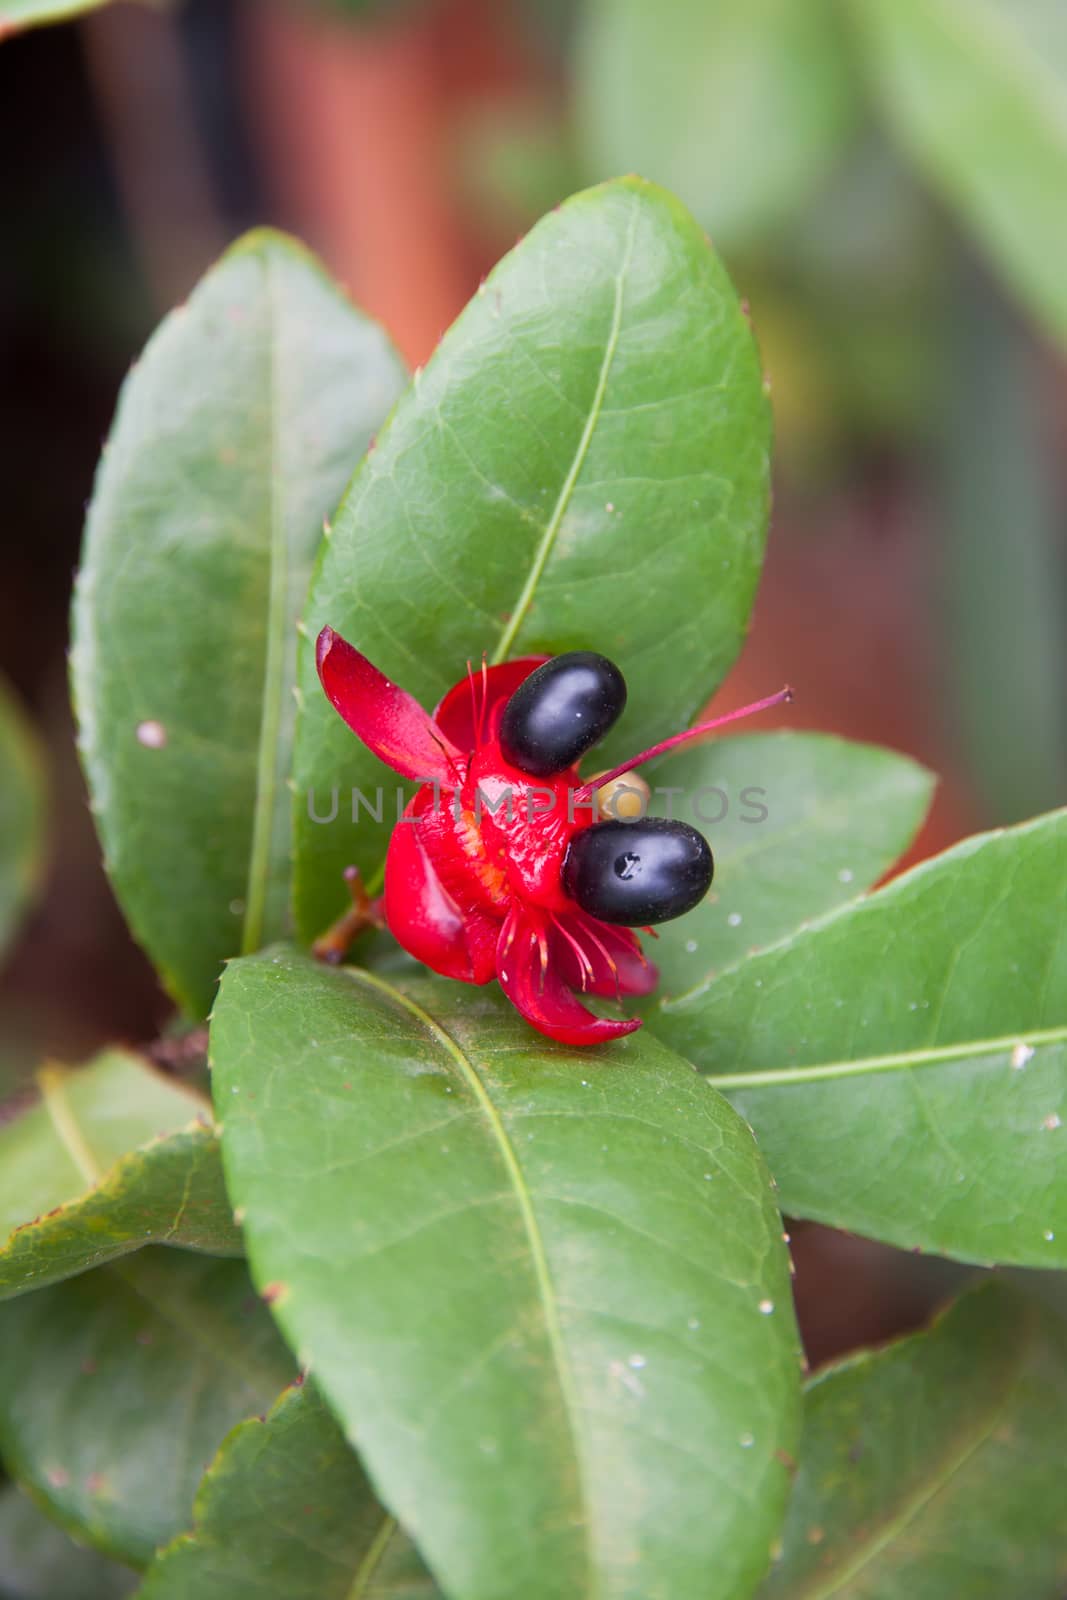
x=551, y=533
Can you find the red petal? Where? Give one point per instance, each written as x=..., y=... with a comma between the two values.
x=462, y=707
x=424, y=918
x=614, y=963
x=534, y=985
x=387, y=719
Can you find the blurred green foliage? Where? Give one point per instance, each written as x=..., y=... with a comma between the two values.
x=740, y=106
x=22, y=800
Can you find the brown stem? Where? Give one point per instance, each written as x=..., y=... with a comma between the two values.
x=179, y=1053
x=333, y=945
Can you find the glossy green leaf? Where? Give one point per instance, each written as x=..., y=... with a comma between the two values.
x=234, y=438
x=798, y=823
x=286, y=1511
x=904, y=1062
x=544, y=1289
x=38, y=1561
x=739, y=106
x=933, y=1468
x=977, y=91
x=582, y=463
x=113, y=1156
x=117, y=1388
x=21, y=813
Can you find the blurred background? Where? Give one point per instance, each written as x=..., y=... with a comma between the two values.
x=887, y=181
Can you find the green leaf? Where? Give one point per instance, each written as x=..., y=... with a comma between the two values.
x=234, y=437
x=932, y=1468
x=904, y=1062
x=247, y=1544
x=798, y=822
x=977, y=92
x=117, y=1388
x=740, y=106
x=22, y=801
x=545, y=1289
x=112, y=1157
x=583, y=463
x=39, y=1562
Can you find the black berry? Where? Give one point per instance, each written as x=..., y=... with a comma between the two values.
x=561, y=711
x=636, y=873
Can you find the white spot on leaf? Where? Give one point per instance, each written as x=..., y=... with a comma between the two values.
x=152, y=734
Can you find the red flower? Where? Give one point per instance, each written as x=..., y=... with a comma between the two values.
x=474, y=871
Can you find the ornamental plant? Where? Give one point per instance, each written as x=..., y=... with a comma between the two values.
x=412, y=1291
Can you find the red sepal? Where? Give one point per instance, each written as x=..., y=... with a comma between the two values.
x=389, y=721
x=424, y=918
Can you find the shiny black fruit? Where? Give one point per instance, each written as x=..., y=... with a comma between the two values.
x=638, y=872
x=561, y=711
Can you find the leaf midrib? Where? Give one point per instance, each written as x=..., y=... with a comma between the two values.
x=538, y=1254
x=944, y=1471
x=52, y=1081
x=372, y=1558
x=274, y=663
x=898, y=1061
x=522, y=606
